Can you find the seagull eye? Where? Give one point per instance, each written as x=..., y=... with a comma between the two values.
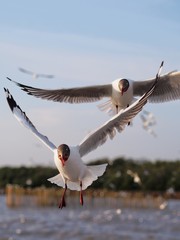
x=127, y=83
x=66, y=155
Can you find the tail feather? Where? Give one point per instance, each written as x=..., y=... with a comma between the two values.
x=97, y=170
x=58, y=180
x=92, y=174
x=108, y=107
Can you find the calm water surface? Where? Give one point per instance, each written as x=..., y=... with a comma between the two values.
x=87, y=223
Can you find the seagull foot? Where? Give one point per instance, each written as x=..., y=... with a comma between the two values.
x=62, y=203
x=81, y=195
x=81, y=198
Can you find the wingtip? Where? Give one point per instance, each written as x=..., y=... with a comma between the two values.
x=18, y=84
x=10, y=99
x=159, y=71
x=9, y=79
x=6, y=91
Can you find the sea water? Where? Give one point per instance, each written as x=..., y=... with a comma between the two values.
x=89, y=223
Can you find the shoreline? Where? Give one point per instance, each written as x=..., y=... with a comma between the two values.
x=18, y=196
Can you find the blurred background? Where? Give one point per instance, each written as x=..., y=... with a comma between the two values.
x=84, y=43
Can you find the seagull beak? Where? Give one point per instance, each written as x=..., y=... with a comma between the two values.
x=122, y=91
x=64, y=159
x=63, y=162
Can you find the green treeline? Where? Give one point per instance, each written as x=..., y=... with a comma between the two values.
x=120, y=175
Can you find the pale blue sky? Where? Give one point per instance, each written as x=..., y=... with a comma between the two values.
x=85, y=43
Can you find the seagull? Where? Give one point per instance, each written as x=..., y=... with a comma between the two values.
x=148, y=120
x=135, y=176
x=151, y=132
x=73, y=173
x=35, y=75
x=121, y=92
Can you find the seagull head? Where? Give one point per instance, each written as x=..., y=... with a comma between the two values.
x=63, y=153
x=123, y=85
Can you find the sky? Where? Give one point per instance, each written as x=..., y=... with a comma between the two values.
x=86, y=43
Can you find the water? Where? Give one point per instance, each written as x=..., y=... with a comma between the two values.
x=86, y=223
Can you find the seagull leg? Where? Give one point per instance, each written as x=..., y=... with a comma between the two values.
x=116, y=109
x=81, y=195
x=63, y=202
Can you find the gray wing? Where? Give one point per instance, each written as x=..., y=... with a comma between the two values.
x=117, y=123
x=167, y=89
x=25, y=71
x=24, y=120
x=38, y=74
x=71, y=95
x=45, y=75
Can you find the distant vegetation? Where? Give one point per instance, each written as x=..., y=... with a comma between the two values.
x=121, y=174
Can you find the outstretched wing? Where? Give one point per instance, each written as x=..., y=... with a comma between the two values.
x=71, y=95
x=36, y=74
x=45, y=75
x=118, y=122
x=167, y=89
x=24, y=120
x=25, y=71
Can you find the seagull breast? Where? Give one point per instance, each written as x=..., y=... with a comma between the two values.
x=122, y=101
x=74, y=168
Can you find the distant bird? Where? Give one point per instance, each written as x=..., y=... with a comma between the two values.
x=35, y=75
x=151, y=121
x=135, y=176
x=73, y=173
x=121, y=92
x=148, y=121
x=151, y=132
x=163, y=205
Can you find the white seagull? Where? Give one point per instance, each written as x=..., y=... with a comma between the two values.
x=135, y=176
x=34, y=74
x=73, y=173
x=148, y=121
x=149, y=117
x=122, y=92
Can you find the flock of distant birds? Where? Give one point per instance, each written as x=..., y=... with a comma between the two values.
x=122, y=105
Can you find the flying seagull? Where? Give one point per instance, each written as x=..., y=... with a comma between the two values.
x=122, y=92
x=135, y=176
x=148, y=121
x=73, y=173
x=34, y=74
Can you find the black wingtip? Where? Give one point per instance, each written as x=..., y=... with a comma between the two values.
x=12, y=80
x=10, y=99
x=22, y=86
x=6, y=91
x=159, y=71
x=9, y=79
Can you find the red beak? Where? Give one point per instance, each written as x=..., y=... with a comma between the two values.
x=63, y=161
x=123, y=91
